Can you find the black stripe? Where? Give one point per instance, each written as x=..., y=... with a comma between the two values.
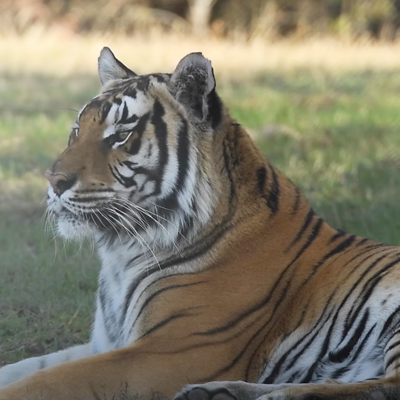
x=165, y=289
x=94, y=191
x=392, y=346
x=160, y=128
x=340, y=355
x=115, y=175
x=183, y=155
x=89, y=199
x=214, y=109
x=389, y=322
x=227, y=165
x=132, y=288
x=171, y=202
x=139, y=130
x=132, y=261
x=273, y=195
x=362, y=344
x=127, y=182
x=282, y=295
x=392, y=360
x=338, y=249
x=166, y=321
x=128, y=91
x=311, y=237
x=337, y=235
x=104, y=110
x=302, y=230
x=261, y=179
x=340, y=372
x=363, y=241
x=297, y=198
x=125, y=112
x=124, y=120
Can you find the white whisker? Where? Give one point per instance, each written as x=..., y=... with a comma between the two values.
x=137, y=235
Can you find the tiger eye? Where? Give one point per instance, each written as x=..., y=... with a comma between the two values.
x=122, y=135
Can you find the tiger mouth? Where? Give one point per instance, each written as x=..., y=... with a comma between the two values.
x=97, y=218
x=110, y=218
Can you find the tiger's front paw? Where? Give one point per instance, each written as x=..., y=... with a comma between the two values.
x=297, y=393
x=312, y=394
x=209, y=391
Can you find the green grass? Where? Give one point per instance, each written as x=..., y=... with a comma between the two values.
x=342, y=150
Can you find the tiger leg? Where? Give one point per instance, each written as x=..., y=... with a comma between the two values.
x=132, y=372
x=14, y=372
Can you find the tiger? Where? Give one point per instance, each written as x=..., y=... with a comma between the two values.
x=218, y=281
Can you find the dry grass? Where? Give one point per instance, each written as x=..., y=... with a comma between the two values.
x=59, y=53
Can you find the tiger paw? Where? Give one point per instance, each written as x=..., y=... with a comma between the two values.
x=205, y=392
x=291, y=395
x=302, y=393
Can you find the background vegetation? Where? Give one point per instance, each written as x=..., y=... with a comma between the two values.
x=268, y=19
x=324, y=110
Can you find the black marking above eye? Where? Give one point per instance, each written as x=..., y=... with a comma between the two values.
x=73, y=135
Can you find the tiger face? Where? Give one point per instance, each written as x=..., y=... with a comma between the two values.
x=131, y=161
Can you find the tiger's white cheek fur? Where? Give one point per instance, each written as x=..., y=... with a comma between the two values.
x=68, y=226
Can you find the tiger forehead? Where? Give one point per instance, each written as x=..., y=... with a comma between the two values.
x=123, y=101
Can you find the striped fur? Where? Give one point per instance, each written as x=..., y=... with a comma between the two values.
x=215, y=269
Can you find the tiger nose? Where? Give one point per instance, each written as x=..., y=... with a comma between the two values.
x=59, y=182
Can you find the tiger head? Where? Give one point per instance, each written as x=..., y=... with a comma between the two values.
x=140, y=154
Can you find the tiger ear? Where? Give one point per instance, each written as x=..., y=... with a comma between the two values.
x=110, y=68
x=193, y=85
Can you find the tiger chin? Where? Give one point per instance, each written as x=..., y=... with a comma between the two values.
x=218, y=280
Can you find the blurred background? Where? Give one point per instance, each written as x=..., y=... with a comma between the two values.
x=267, y=19
x=316, y=83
